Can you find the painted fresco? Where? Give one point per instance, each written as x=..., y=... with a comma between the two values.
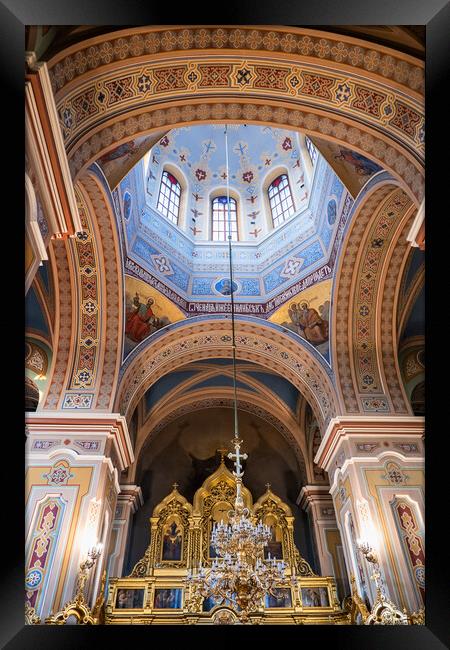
x=308, y=315
x=117, y=163
x=353, y=168
x=146, y=312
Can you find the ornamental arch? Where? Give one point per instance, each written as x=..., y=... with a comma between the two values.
x=119, y=86
x=116, y=87
x=203, y=338
x=366, y=288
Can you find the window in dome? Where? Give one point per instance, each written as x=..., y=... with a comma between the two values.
x=220, y=219
x=169, y=197
x=311, y=150
x=280, y=199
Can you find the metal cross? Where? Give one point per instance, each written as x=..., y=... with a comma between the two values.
x=268, y=486
x=175, y=485
x=237, y=458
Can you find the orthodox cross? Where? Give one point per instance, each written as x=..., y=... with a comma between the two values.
x=301, y=179
x=195, y=230
x=151, y=174
x=196, y=213
x=253, y=214
x=197, y=197
x=297, y=163
x=155, y=160
x=255, y=232
x=237, y=458
x=253, y=198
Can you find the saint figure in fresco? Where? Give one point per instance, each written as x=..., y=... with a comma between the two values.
x=362, y=165
x=140, y=320
x=294, y=315
x=314, y=328
x=172, y=543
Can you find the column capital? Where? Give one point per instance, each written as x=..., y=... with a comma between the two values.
x=85, y=433
x=313, y=493
x=369, y=432
x=132, y=495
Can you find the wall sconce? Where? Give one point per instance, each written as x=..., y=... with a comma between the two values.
x=92, y=556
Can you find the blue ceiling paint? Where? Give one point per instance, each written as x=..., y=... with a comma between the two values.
x=221, y=380
x=417, y=259
x=43, y=273
x=415, y=325
x=280, y=386
x=34, y=317
x=164, y=385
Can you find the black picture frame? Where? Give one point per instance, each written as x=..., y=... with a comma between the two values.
x=435, y=15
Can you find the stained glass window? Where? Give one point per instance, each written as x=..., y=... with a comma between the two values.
x=220, y=219
x=169, y=197
x=280, y=199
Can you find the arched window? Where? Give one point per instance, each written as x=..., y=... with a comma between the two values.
x=280, y=200
x=220, y=219
x=169, y=197
x=311, y=150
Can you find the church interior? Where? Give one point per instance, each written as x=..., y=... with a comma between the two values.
x=225, y=331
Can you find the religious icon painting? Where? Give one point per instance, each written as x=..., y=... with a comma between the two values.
x=315, y=597
x=331, y=211
x=225, y=286
x=127, y=204
x=130, y=599
x=168, y=598
x=281, y=597
x=172, y=541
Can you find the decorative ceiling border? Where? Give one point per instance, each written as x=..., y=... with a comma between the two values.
x=371, y=257
x=113, y=293
x=277, y=41
x=298, y=81
x=341, y=315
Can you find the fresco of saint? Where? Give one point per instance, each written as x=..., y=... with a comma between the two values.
x=140, y=320
x=308, y=323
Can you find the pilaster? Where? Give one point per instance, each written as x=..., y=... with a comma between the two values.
x=128, y=502
x=376, y=471
x=72, y=469
x=317, y=502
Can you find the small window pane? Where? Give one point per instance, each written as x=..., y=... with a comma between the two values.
x=280, y=200
x=169, y=197
x=221, y=217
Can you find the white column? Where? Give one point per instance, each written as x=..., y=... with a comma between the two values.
x=128, y=501
x=72, y=465
x=376, y=470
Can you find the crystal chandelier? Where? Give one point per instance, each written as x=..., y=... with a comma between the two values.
x=240, y=576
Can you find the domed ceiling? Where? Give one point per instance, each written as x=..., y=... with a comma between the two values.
x=197, y=156
x=283, y=274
